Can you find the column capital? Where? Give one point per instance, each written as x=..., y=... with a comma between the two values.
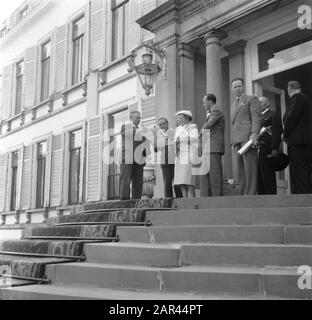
x=214, y=36
x=186, y=50
x=236, y=47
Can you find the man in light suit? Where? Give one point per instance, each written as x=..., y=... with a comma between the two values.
x=134, y=152
x=211, y=144
x=246, y=125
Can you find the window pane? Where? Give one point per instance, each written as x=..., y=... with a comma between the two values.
x=45, y=79
x=46, y=50
x=42, y=149
x=74, y=173
x=78, y=60
x=286, y=48
x=41, y=168
x=76, y=139
x=19, y=88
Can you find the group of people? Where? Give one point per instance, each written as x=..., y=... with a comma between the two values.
x=188, y=151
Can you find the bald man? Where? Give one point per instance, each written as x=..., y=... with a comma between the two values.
x=269, y=145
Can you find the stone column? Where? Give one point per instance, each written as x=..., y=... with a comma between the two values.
x=236, y=69
x=187, y=78
x=213, y=64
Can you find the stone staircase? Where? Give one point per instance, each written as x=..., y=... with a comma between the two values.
x=207, y=248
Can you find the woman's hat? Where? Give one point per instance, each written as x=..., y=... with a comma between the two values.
x=280, y=162
x=186, y=113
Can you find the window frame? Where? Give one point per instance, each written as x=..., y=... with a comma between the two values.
x=21, y=12
x=42, y=60
x=45, y=158
x=114, y=8
x=18, y=77
x=81, y=49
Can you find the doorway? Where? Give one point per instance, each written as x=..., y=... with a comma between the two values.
x=274, y=87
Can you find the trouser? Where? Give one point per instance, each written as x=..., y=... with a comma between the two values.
x=211, y=183
x=247, y=170
x=300, y=167
x=168, y=176
x=131, y=174
x=266, y=175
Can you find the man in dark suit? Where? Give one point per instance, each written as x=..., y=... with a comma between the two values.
x=164, y=144
x=246, y=125
x=269, y=144
x=211, y=144
x=298, y=136
x=134, y=152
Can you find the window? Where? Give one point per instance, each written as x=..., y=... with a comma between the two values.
x=14, y=168
x=120, y=13
x=19, y=86
x=45, y=70
x=75, y=145
x=78, y=38
x=23, y=13
x=41, y=170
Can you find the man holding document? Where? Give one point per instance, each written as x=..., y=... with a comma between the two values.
x=246, y=126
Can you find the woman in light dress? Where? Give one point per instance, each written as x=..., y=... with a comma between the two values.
x=186, y=138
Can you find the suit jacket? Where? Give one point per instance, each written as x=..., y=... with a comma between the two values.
x=165, y=144
x=273, y=120
x=246, y=119
x=134, y=145
x=298, y=121
x=216, y=124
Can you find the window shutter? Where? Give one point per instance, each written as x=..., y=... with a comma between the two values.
x=61, y=57
x=48, y=173
x=30, y=76
x=148, y=108
x=3, y=180
x=26, y=178
x=97, y=33
x=13, y=20
x=94, y=159
x=6, y=90
x=56, y=170
x=135, y=30
x=147, y=6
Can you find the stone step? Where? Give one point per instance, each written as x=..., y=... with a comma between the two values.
x=272, y=201
x=62, y=248
x=134, y=254
x=281, y=282
x=199, y=254
x=83, y=231
x=62, y=292
x=122, y=215
x=217, y=234
x=246, y=254
x=229, y=216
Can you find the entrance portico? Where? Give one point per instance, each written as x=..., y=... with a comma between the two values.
x=205, y=50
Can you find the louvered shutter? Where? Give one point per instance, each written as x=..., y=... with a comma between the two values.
x=97, y=33
x=135, y=30
x=3, y=180
x=61, y=57
x=146, y=7
x=6, y=91
x=30, y=76
x=94, y=157
x=56, y=170
x=27, y=178
x=148, y=108
x=48, y=173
